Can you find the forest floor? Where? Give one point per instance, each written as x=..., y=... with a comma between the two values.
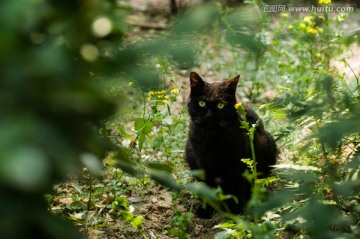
x=158, y=206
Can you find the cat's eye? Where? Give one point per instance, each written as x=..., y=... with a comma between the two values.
x=202, y=103
x=220, y=105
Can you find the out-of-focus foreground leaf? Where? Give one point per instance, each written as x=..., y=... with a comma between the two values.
x=52, y=57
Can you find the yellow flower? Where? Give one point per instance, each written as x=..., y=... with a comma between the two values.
x=322, y=17
x=161, y=92
x=284, y=14
x=312, y=31
x=130, y=83
x=158, y=95
x=238, y=105
x=151, y=95
x=240, y=109
x=324, y=2
x=290, y=27
x=175, y=91
x=308, y=19
x=318, y=55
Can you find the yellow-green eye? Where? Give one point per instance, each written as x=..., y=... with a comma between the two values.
x=220, y=105
x=202, y=103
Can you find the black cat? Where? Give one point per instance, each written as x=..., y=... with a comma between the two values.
x=217, y=143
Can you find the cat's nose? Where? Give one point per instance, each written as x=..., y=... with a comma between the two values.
x=209, y=113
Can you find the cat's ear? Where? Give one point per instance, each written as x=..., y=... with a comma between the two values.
x=195, y=81
x=233, y=83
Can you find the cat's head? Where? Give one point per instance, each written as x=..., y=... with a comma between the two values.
x=212, y=104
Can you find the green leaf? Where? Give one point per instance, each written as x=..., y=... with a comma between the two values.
x=196, y=20
x=127, y=167
x=139, y=124
x=127, y=216
x=264, y=182
x=164, y=178
x=319, y=218
x=143, y=129
x=120, y=202
x=198, y=173
x=163, y=66
x=122, y=132
x=136, y=222
x=225, y=225
x=25, y=168
x=160, y=166
x=244, y=40
x=224, y=234
x=202, y=190
x=92, y=163
x=125, y=164
x=297, y=167
x=77, y=188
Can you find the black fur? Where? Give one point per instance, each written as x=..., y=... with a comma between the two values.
x=217, y=144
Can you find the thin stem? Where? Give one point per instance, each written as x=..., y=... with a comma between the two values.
x=321, y=142
x=144, y=104
x=254, y=168
x=356, y=77
x=252, y=148
x=88, y=207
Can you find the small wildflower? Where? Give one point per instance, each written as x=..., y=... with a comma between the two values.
x=284, y=14
x=130, y=83
x=290, y=27
x=318, y=55
x=238, y=105
x=340, y=18
x=240, y=109
x=324, y=2
x=308, y=19
x=150, y=95
x=312, y=31
x=158, y=95
x=175, y=91
x=322, y=17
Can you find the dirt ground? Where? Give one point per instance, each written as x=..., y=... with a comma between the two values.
x=158, y=211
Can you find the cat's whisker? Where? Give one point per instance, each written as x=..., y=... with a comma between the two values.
x=225, y=126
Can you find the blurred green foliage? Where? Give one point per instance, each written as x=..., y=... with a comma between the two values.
x=56, y=55
x=50, y=108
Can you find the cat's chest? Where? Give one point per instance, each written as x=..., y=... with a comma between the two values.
x=215, y=146
x=221, y=139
